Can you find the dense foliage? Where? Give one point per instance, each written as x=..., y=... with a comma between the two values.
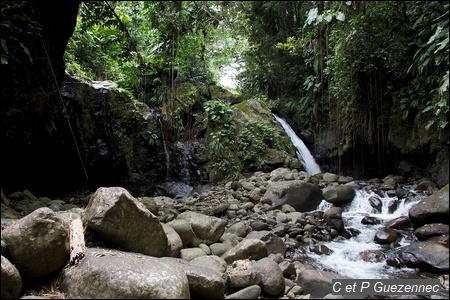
x=376, y=70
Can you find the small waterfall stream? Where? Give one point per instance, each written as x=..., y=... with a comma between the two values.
x=345, y=258
x=303, y=154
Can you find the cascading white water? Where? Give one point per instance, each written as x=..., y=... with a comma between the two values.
x=303, y=153
x=345, y=258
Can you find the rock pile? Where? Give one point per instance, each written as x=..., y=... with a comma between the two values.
x=246, y=239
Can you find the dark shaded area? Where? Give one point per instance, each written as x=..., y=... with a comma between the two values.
x=34, y=153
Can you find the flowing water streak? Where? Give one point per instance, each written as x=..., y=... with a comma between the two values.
x=345, y=258
x=166, y=150
x=303, y=153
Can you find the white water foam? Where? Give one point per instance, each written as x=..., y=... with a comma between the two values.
x=345, y=258
x=303, y=154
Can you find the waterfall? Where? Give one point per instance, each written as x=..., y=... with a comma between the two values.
x=303, y=153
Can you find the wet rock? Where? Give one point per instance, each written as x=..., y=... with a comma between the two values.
x=385, y=235
x=376, y=203
x=333, y=217
x=321, y=249
x=429, y=230
x=401, y=222
x=370, y=220
x=433, y=209
x=372, y=256
x=338, y=194
x=426, y=255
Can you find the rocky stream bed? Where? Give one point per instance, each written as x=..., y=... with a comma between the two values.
x=247, y=239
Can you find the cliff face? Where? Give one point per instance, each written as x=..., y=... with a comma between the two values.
x=29, y=91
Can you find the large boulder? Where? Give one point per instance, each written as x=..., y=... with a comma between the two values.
x=207, y=228
x=316, y=283
x=38, y=244
x=272, y=279
x=433, y=209
x=113, y=274
x=11, y=280
x=121, y=219
x=338, y=193
x=300, y=195
x=426, y=255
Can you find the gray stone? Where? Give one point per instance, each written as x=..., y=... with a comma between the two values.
x=208, y=229
x=184, y=230
x=248, y=248
x=113, y=274
x=174, y=242
x=300, y=195
x=338, y=193
x=121, y=219
x=210, y=261
x=272, y=279
x=11, y=280
x=205, y=282
x=433, y=209
x=251, y=292
x=31, y=239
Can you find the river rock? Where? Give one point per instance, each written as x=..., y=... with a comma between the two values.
x=121, y=219
x=205, y=283
x=33, y=238
x=207, y=228
x=11, y=280
x=300, y=195
x=333, y=217
x=248, y=248
x=316, y=283
x=372, y=256
x=425, y=255
x=251, y=292
x=330, y=177
x=401, y=222
x=338, y=194
x=433, y=209
x=210, y=261
x=243, y=278
x=108, y=273
x=274, y=243
x=385, y=235
x=189, y=254
x=429, y=230
x=184, y=230
x=174, y=242
x=376, y=203
x=272, y=279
